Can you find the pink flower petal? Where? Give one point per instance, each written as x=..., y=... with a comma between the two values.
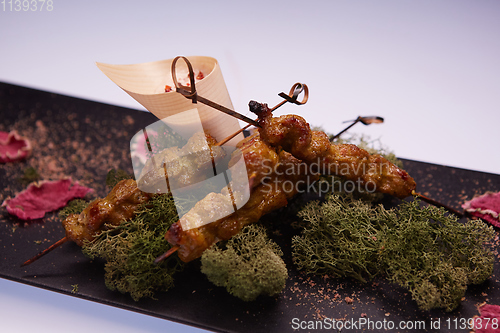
x=13, y=147
x=44, y=197
x=486, y=207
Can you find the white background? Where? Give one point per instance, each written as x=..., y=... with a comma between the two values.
x=430, y=68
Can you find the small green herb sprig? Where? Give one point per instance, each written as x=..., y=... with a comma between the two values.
x=422, y=249
x=248, y=265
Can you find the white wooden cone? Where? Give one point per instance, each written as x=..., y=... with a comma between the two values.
x=146, y=83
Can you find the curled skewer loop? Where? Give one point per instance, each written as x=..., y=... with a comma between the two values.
x=293, y=95
x=179, y=87
x=364, y=120
x=190, y=93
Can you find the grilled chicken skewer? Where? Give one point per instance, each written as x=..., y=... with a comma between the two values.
x=121, y=203
x=292, y=138
x=185, y=165
x=293, y=134
x=268, y=193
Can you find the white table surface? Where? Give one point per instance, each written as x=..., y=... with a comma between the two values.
x=430, y=68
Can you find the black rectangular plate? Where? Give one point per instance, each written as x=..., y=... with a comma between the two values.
x=84, y=139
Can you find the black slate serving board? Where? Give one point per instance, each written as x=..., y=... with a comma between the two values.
x=84, y=139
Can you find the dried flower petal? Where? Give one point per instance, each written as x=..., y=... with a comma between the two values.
x=486, y=207
x=44, y=197
x=489, y=320
x=13, y=147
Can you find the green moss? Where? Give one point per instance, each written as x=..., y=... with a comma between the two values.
x=340, y=238
x=131, y=248
x=248, y=265
x=75, y=206
x=75, y=289
x=422, y=249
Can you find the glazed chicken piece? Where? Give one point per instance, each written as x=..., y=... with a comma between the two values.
x=119, y=205
x=293, y=134
x=186, y=166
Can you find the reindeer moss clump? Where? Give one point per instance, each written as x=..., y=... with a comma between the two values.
x=247, y=265
x=130, y=249
x=424, y=249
